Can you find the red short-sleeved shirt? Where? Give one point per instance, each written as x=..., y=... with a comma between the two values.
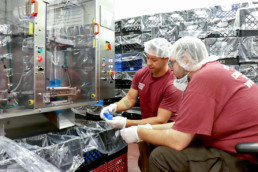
x=220, y=105
x=156, y=93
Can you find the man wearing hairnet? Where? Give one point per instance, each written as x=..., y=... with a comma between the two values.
x=219, y=109
x=153, y=84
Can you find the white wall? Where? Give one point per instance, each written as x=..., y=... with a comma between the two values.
x=133, y=8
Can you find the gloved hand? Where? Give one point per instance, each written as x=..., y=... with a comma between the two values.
x=148, y=126
x=117, y=122
x=130, y=134
x=111, y=108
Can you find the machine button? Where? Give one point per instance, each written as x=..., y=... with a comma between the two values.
x=40, y=50
x=92, y=96
x=40, y=68
x=108, y=46
x=30, y=102
x=40, y=59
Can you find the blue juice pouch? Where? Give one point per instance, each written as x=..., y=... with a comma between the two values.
x=108, y=115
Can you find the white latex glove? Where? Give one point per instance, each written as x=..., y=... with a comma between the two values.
x=117, y=122
x=148, y=126
x=130, y=134
x=110, y=108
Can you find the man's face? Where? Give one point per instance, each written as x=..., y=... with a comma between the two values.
x=178, y=71
x=155, y=64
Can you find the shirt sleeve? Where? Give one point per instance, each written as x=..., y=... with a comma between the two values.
x=172, y=98
x=196, y=114
x=135, y=81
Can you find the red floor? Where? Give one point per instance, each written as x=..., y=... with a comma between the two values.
x=133, y=154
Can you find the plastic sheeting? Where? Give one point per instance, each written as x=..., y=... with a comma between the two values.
x=131, y=42
x=199, y=15
x=149, y=21
x=27, y=160
x=196, y=29
x=174, y=18
x=132, y=61
x=248, y=49
x=221, y=28
x=226, y=11
x=131, y=24
x=223, y=47
x=247, y=19
x=250, y=70
x=64, y=149
x=169, y=32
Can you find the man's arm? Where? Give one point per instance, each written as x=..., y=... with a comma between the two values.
x=162, y=117
x=171, y=138
x=163, y=126
x=128, y=101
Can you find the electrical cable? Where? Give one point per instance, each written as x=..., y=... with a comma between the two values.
x=68, y=77
x=8, y=48
x=19, y=83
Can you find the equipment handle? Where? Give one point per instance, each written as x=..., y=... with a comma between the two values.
x=36, y=8
x=95, y=33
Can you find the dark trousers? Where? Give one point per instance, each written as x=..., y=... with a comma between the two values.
x=144, y=153
x=196, y=159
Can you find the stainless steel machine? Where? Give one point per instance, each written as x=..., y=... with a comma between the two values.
x=54, y=55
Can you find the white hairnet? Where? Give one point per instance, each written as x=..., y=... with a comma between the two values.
x=190, y=53
x=158, y=47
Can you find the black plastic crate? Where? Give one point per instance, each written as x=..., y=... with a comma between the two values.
x=227, y=11
x=223, y=47
x=169, y=32
x=132, y=61
x=250, y=70
x=196, y=29
x=248, y=49
x=131, y=42
x=118, y=62
x=123, y=84
x=218, y=28
x=93, y=156
x=146, y=36
x=118, y=44
x=174, y=18
x=229, y=61
x=246, y=23
x=131, y=24
x=118, y=26
x=199, y=15
x=149, y=21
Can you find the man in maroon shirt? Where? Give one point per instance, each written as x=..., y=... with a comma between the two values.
x=153, y=85
x=219, y=109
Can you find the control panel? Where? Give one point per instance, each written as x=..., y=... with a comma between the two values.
x=107, y=64
x=108, y=67
x=106, y=47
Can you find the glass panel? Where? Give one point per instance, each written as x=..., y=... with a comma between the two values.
x=71, y=48
x=16, y=55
